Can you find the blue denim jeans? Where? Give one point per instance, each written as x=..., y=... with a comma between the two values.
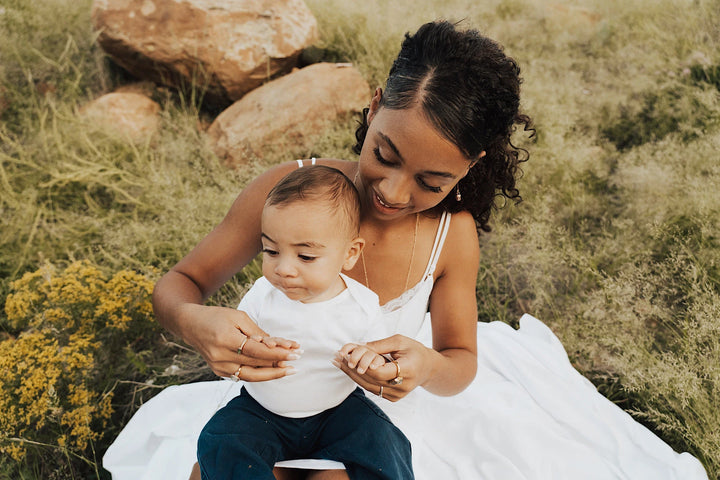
x=243, y=440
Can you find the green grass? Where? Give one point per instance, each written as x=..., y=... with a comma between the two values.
x=615, y=245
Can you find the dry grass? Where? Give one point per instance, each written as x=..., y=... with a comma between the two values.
x=615, y=245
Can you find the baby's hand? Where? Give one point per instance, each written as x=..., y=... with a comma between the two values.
x=359, y=357
x=272, y=342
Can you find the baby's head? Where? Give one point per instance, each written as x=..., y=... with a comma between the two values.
x=310, y=226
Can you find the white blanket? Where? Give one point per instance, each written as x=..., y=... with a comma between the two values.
x=527, y=415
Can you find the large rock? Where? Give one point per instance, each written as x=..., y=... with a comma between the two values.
x=227, y=47
x=288, y=111
x=127, y=114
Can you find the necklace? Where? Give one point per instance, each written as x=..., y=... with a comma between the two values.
x=412, y=257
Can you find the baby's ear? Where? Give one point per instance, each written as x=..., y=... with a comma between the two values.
x=353, y=253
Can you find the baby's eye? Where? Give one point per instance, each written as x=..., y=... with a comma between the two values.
x=306, y=258
x=270, y=252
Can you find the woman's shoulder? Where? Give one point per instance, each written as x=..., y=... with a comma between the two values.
x=461, y=244
x=348, y=167
x=462, y=230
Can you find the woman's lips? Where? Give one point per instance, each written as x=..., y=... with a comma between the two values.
x=383, y=207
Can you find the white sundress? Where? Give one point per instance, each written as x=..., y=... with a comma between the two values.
x=528, y=415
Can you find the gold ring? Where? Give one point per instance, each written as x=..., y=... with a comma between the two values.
x=242, y=345
x=398, y=379
x=235, y=377
x=381, y=390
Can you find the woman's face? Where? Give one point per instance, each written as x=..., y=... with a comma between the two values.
x=405, y=166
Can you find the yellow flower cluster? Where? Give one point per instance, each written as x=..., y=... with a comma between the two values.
x=53, y=390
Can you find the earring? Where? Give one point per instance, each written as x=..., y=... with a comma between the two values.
x=458, y=197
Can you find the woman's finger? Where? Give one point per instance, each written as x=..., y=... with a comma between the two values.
x=260, y=351
x=356, y=377
x=261, y=374
x=388, y=345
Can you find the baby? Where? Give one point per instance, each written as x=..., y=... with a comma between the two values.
x=310, y=228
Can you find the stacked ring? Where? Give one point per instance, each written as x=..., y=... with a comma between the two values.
x=235, y=377
x=242, y=345
x=380, y=392
x=398, y=379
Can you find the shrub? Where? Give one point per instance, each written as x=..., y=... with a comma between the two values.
x=678, y=109
x=709, y=74
x=59, y=374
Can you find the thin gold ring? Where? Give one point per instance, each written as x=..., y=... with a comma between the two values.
x=398, y=379
x=235, y=377
x=381, y=390
x=242, y=345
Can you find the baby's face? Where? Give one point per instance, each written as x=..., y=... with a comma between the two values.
x=305, y=246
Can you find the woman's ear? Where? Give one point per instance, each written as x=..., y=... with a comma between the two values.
x=353, y=253
x=374, y=104
x=474, y=162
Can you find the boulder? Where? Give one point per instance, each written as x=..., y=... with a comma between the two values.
x=128, y=114
x=290, y=110
x=226, y=48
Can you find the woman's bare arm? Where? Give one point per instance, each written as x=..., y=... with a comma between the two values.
x=450, y=366
x=217, y=332
x=453, y=310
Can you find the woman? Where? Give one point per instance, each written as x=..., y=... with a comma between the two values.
x=435, y=152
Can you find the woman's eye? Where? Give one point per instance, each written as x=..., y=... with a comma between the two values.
x=306, y=258
x=267, y=251
x=428, y=187
x=380, y=158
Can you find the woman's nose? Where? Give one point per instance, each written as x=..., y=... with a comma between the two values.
x=395, y=190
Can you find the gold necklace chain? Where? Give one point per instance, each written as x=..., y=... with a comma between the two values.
x=412, y=257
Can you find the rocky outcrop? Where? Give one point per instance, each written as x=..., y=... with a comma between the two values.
x=288, y=110
x=227, y=48
x=130, y=115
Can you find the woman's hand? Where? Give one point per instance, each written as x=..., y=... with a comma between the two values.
x=408, y=369
x=231, y=344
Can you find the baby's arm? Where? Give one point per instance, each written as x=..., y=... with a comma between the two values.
x=359, y=357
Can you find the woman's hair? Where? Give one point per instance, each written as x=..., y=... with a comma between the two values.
x=470, y=91
x=320, y=183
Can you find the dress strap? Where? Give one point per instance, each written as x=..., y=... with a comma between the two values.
x=300, y=162
x=442, y=231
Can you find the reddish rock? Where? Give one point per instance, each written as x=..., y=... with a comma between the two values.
x=128, y=114
x=291, y=109
x=227, y=47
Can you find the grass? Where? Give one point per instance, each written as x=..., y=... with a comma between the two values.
x=615, y=245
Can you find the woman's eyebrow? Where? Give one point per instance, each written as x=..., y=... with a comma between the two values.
x=392, y=146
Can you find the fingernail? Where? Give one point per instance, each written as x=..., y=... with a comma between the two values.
x=336, y=363
x=299, y=351
x=293, y=356
x=290, y=371
x=361, y=371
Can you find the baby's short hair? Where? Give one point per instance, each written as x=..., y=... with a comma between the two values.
x=319, y=183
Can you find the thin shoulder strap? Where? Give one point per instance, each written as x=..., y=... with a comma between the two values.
x=442, y=231
x=300, y=162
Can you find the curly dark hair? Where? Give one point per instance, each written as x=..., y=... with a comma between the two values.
x=470, y=91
